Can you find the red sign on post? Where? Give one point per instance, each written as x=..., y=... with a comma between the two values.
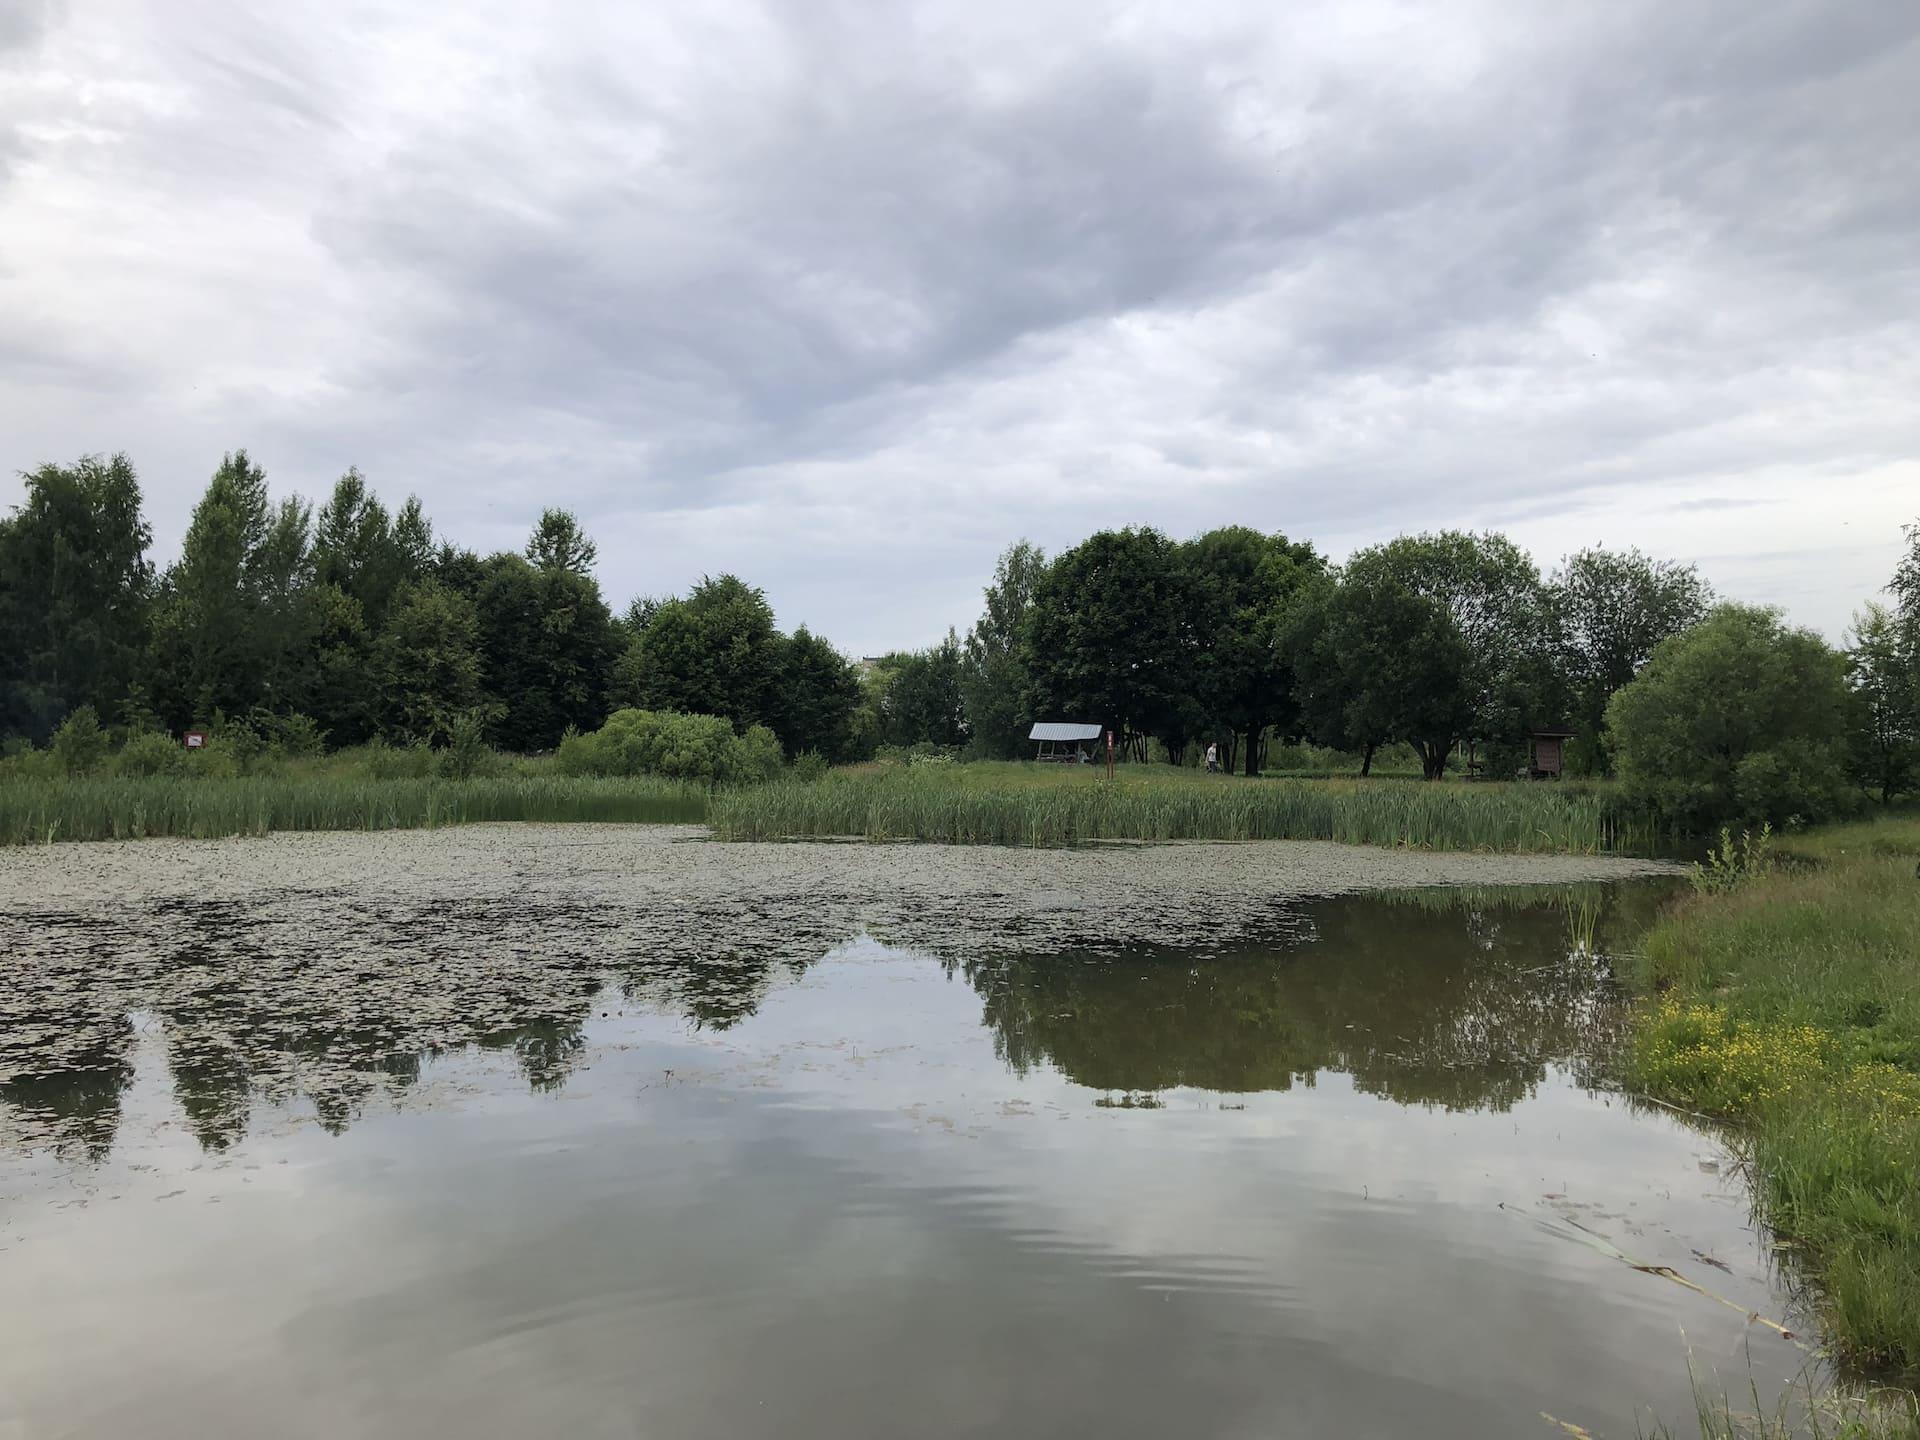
x=1109, y=754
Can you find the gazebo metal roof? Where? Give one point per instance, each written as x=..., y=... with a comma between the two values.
x=1060, y=730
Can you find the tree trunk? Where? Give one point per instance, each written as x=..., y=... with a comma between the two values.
x=1253, y=752
x=1366, y=760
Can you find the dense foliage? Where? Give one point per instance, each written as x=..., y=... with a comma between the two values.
x=1741, y=718
x=679, y=747
x=352, y=623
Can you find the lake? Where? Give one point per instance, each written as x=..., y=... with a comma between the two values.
x=609, y=1132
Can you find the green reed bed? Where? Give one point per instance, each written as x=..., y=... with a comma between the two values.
x=1790, y=1003
x=41, y=811
x=1007, y=807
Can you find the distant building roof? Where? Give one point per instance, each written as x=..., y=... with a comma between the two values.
x=1056, y=730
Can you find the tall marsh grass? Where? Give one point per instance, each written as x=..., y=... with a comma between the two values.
x=41, y=811
x=1014, y=805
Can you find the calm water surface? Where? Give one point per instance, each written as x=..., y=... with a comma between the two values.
x=1342, y=1180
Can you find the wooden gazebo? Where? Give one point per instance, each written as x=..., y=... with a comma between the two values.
x=1062, y=741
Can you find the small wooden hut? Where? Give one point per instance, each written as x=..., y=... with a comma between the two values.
x=1549, y=753
x=1061, y=741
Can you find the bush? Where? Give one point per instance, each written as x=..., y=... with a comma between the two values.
x=809, y=765
x=1736, y=861
x=213, y=761
x=682, y=747
x=150, y=753
x=1738, y=721
x=20, y=761
x=467, y=754
x=296, y=734
x=239, y=745
x=383, y=761
x=756, y=757
x=80, y=745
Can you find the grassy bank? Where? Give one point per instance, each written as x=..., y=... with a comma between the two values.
x=37, y=811
x=1013, y=804
x=1791, y=1004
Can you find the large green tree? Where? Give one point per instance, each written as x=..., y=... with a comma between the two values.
x=716, y=652
x=364, y=559
x=559, y=543
x=233, y=613
x=548, y=649
x=366, y=552
x=428, y=662
x=1610, y=608
x=818, y=693
x=994, y=681
x=1110, y=637
x=1741, y=719
x=342, y=686
x=1883, y=667
x=1377, y=662
x=1490, y=590
x=1905, y=584
x=1243, y=586
x=920, y=699
x=75, y=586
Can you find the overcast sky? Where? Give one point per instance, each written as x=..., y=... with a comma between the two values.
x=846, y=297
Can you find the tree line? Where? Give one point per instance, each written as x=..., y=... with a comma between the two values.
x=355, y=622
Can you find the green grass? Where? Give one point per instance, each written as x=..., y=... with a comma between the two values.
x=1019, y=804
x=1791, y=1004
x=40, y=811
x=1810, y=1409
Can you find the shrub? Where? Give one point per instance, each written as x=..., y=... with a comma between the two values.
x=809, y=765
x=650, y=742
x=1739, y=720
x=467, y=754
x=756, y=757
x=1735, y=862
x=20, y=761
x=297, y=735
x=396, y=762
x=80, y=745
x=213, y=761
x=150, y=753
x=239, y=744
x=664, y=742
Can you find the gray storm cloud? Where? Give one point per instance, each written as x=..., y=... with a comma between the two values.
x=847, y=297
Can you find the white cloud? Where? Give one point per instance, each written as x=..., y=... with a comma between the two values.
x=847, y=298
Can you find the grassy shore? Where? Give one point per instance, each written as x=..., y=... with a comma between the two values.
x=1790, y=1004
x=1018, y=804
x=41, y=811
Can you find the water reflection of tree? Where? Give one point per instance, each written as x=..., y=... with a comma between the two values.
x=1462, y=1008
x=1458, y=1001
x=247, y=1011
x=72, y=1095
